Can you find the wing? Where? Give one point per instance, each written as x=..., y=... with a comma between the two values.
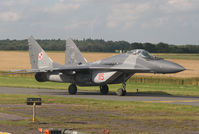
x=121, y=68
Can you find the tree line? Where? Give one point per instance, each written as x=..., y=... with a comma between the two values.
x=99, y=45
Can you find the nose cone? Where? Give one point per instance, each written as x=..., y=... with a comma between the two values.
x=174, y=68
x=169, y=67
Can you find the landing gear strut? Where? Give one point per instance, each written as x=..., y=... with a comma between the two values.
x=104, y=89
x=122, y=91
x=72, y=89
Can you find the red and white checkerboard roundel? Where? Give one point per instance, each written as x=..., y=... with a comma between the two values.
x=40, y=56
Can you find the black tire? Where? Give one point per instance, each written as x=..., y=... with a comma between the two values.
x=121, y=92
x=104, y=89
x=72, y=89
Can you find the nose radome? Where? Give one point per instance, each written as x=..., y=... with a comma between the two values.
x=174, y=68
x=180, y=68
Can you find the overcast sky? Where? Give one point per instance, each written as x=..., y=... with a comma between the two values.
x=170, y=21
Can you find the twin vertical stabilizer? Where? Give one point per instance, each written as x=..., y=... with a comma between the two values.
x=73, y=54
x=40, y=60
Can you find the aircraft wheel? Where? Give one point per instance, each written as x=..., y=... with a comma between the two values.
x=72, y=89
x=104, y=89
x=121, y=92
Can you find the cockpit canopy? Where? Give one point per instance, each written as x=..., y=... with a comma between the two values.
x=143, y=53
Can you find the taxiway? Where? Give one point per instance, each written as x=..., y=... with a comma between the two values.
x=147, y=98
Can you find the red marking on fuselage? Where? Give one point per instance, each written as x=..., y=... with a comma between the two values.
x=101, y=76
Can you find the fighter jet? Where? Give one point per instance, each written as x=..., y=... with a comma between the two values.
x=112, y=70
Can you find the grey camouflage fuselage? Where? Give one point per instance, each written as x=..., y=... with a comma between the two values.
x=112, y=70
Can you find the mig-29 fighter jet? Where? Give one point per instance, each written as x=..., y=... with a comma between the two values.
x=112, y=70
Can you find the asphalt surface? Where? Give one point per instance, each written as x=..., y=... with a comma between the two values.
x=140, y=97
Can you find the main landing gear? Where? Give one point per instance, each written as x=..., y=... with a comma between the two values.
x=104, y=89
x=72, y=89
x=122, y=91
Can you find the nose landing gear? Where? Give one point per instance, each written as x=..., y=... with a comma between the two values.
x=122, y=91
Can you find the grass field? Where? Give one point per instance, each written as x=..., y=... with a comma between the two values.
x=178, y=56
x=12, y=60
x=93, y=116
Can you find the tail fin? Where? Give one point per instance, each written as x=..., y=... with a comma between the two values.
x=38, y=58
x=73, y=54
